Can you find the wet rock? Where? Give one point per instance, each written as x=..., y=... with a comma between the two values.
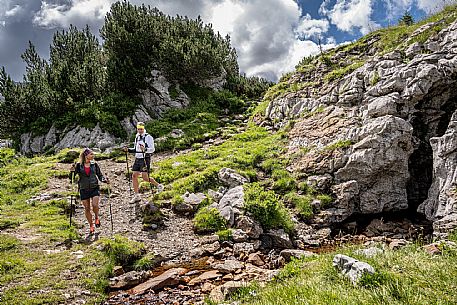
x=128, y=279
x=168, y=278
x=251, y=227
x=231, y=178
x=288, y=254
x=351, y=268
x=206, y=276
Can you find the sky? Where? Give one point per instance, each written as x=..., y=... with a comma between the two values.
x=270, y=36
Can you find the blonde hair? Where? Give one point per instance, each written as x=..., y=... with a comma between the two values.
x=82, y=158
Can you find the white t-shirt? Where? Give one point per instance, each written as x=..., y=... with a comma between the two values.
x=147, y=141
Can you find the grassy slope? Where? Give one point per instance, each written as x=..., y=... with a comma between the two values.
x=29, y=272
x=405, y=276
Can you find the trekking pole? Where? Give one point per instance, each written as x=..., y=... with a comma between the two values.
x=147, y=169
x=71, y=195
x=128, y=171
x=110, y=212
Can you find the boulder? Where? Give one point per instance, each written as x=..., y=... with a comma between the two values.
x=231, y=178
x=128, y=280
x=229, y=266
x=279, y=239
x=221, y=292
x=156, y=97
x=249, y=226
x=239, y=236
x=170, y=277
x=351, y=268
x=244, y=248
x=231, y=205
x=204, y=277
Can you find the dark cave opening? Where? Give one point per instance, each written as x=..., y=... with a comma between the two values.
x=429, y=121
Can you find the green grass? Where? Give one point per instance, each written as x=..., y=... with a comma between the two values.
x=405, y=276
x=209, y=220
x=338, y=145
x=122, y=251
x=266, y=208
x=27, y=273
x=199, y=121
x=197, y=170
x=343, y=71
x=224, y=234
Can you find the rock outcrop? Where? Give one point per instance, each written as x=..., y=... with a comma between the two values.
x=382, y=135
x=156, y=99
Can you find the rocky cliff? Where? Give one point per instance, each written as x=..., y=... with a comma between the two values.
x=377, y=126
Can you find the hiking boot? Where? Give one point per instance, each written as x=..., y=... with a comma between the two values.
x=97, y=222
x=159, y=188
x=136, y=198
x=92, y=229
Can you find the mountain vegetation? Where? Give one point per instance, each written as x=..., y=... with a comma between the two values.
x=85, y=82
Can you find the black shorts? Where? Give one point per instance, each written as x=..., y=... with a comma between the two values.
x=87, y=194
x=142, y=165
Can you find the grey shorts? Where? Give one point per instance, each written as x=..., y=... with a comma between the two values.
x=142, y=165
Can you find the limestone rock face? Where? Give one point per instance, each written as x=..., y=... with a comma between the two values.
x=441, y=204
x=379, y=164
x=71, y=137
x=381, y=138
x=156, y=98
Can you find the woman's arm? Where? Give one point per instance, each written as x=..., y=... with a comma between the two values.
x=99, y=174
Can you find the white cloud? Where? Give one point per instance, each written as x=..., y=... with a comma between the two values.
x=309, y=28
x=396, y=8
x=265, y=33
x=431, y=6
x=17, y=9
x=349, y=15
x=78, y=12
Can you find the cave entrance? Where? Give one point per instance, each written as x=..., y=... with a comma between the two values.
x=431, y=119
